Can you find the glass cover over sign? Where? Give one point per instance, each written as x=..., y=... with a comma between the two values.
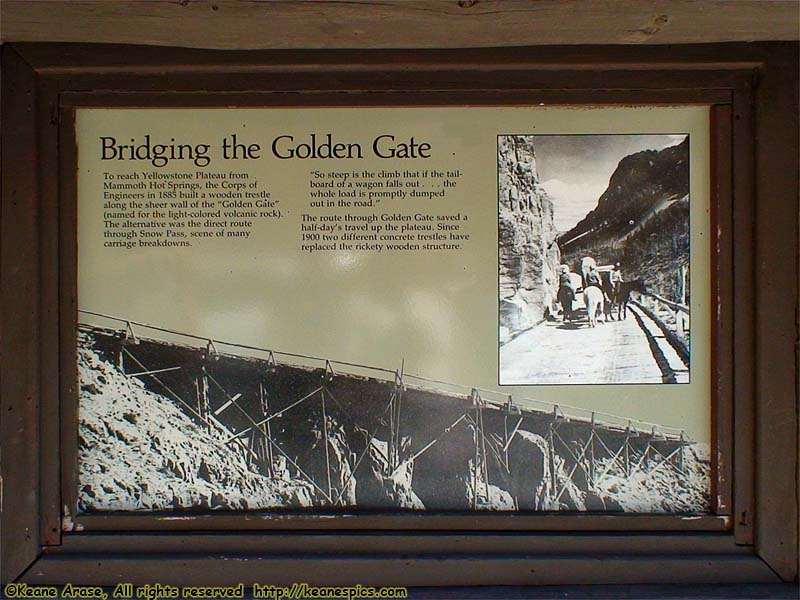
x=491, y=309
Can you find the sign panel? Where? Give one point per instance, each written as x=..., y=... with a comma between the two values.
x=408, y=308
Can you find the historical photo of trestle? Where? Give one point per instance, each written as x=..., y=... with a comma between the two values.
x=193, y=424
x=594, y=266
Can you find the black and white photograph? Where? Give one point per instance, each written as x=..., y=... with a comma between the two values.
x=186, y=426
x=594, y=261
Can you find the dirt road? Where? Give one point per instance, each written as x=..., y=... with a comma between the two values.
x=574, y=353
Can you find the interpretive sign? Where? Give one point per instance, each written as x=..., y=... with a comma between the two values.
x=297, y=315
x=346, y=308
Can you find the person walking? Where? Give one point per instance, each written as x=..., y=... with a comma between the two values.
x=616, y=279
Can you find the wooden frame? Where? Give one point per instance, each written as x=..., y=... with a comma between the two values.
x=752, y=535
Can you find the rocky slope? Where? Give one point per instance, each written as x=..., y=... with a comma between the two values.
x=140, y=451
x=641, y=220
x=529, y=255
x=659, y=491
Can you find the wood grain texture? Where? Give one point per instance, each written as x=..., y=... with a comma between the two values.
x=371, y=543
x=427, y=521
x=49, y=368
x=722, y=348
x=776, y=326
x=391, y=570
x=250, y=24
x=745, y=209
x=20, y=322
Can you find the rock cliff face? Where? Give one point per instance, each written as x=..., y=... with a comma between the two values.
x=641, y=220
x=529, y=254
x=140, y=451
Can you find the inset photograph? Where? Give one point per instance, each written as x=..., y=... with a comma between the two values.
x=594, y=262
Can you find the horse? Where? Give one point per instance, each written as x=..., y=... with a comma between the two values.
x=566, y=296
x=623, y=295
x=593, y=297
x=608, y=290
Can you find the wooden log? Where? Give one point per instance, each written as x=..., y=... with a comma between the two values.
x=396, y=23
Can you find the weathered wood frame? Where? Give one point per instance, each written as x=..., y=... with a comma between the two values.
x=752, y=535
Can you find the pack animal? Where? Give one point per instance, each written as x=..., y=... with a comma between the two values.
x=608, y=290
x=623, y=295
x=593, y=297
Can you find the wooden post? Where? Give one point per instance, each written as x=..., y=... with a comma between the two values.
x=552, y=460
x=591, y=453
x=682, y=285
x=394, y=419
x=475, y=472
x=201, y=387
x=591, y=458
x=682, y=453
x=391, y=448
x=484, y=457
x=267, y=431
x=398, y=403
x=627, y=455
x=505, y=439
x=641, y=460
x=327, y=450
x=251, y=448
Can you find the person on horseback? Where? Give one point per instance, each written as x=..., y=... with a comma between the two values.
x=593, y=298
x=566, y=293
x=616, y=278
x=593, y=278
